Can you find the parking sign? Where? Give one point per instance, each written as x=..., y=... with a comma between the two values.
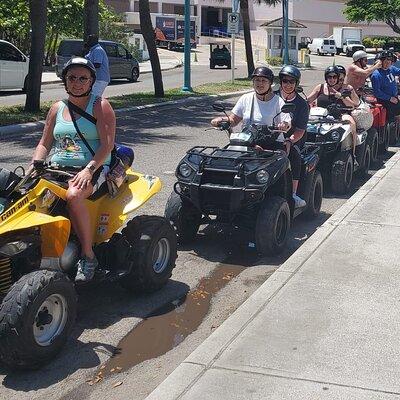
x=233, y=23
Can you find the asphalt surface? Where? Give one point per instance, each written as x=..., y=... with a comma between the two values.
x=200, y=74
x=160, y=137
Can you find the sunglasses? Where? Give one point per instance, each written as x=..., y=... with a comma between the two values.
x=81, y=79
x=332, y=77
x=291, y=81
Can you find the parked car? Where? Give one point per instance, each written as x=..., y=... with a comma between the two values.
x=322, y=46
x=14, y=66
x=122, y=63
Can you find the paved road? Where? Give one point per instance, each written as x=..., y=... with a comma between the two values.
x=172, y=79
x=106, y=314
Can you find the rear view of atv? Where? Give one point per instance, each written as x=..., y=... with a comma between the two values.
x=243, y=186
x=334, y=138
x=39, y=252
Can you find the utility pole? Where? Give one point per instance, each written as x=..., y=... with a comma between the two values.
x=235, y=8
x=186, y=84
x=285, y=38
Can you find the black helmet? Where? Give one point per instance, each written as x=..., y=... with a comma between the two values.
x=290, y=70
x=79, y=62
x=264, y=72
x=331, y=70
x=386, y=54
x=341, y=69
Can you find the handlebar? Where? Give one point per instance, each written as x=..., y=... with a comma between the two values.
x=40, y=168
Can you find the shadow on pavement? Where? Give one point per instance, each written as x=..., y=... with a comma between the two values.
x=96, y=311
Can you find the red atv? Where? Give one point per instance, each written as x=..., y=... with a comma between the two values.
x=388, y=133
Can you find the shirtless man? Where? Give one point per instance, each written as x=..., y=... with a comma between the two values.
x=357, y=73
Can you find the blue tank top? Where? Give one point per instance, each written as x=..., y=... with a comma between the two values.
x=69, y=150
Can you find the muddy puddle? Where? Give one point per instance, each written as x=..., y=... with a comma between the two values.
x=169, y=325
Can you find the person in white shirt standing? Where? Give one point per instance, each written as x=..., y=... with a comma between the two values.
x=99, y=59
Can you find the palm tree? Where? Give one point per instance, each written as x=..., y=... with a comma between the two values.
x=38, y=18
x=149, y=37
x=90, y=18
x=244, y=10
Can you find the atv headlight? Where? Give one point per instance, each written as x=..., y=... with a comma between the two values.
x=185, y=170
x=262, y=176
x=335, y=135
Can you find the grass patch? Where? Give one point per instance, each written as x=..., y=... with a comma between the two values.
x=17, y=115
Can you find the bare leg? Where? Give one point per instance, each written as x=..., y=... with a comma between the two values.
x=80, y=217
x=295, y=185
x=347, y=117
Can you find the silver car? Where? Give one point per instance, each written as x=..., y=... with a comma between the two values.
x=122, y=63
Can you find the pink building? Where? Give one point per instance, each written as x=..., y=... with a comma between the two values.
x=319, y=16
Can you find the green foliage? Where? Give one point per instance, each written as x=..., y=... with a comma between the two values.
x=387, y=11
x=64, y=19
x=274, y=61
x=135, y=51
x=367, y=42
x=376, y=42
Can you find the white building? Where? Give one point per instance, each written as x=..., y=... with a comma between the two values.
x=319, y=16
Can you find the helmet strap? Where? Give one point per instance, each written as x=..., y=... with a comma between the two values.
x=288, y=93
x=265, y=94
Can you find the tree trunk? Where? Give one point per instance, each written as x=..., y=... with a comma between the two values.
x=149, y=37
x=244, y=10
x=38, y=18
x=49, y=47
x=90, y=18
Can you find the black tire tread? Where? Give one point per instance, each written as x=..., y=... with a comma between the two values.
x=338, y=170
x=140, y=279
x=186, y=228
x=264, y=235
x=310, y=211
x=14, y=351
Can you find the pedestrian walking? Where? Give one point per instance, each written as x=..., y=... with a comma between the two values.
x=99, y=59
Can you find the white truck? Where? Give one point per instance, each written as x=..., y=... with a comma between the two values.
x=347, y=40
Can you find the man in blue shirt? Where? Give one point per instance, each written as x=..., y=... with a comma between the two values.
x=98, y=57
x=384, y=84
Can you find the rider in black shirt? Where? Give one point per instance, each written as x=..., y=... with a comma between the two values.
x=289, y=77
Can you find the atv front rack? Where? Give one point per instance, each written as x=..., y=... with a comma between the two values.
x=247, y=156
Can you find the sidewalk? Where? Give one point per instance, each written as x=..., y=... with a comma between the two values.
x=325, y=325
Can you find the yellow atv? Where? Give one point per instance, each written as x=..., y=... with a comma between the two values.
x=39, y=252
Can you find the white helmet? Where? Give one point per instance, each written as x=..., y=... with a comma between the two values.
x=359, y=54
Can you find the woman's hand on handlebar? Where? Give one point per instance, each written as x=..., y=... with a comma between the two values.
x=283, y=126
x=216, y=122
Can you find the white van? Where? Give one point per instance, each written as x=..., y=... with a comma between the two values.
x=322, y=46
x=14, y=66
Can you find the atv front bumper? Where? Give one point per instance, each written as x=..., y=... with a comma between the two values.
x=217, y=199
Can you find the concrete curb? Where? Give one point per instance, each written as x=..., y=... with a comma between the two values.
x=141, y=73
x=30, y=127
x=196, y=364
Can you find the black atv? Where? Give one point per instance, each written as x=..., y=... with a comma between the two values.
x=244, y=186
x=335, y=139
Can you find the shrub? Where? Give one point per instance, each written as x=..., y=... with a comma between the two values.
x=274, y=61
x=367, y=42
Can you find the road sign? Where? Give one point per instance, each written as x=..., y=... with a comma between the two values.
x=233, y=23
x=235, y=6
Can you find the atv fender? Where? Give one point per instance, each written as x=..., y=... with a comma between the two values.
x=54, y=231
x=138, y=191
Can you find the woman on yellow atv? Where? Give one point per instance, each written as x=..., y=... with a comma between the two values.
x=73, y=150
